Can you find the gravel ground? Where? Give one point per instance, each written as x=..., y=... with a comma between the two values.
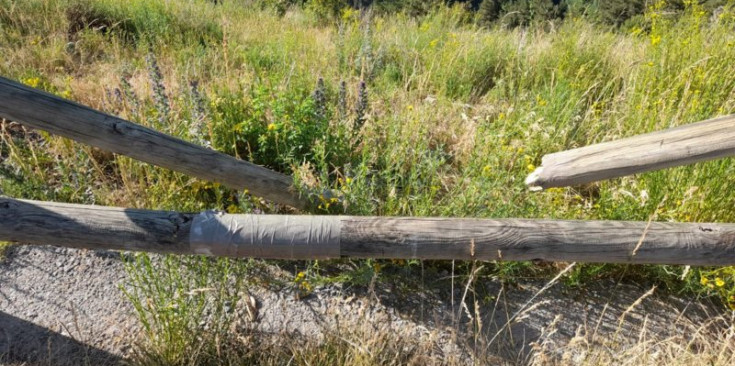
x=64, y=307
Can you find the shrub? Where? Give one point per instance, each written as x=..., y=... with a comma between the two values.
x=488, y=12
x=523, y=12
x=419, y=8
x=277, y=129
x=138, y=19
x=326, y=10
x=617, y=12
x=514, y=13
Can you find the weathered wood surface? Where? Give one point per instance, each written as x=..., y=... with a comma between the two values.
x=56, y=115
x=82, y=226
x=706, y=140
x=94, y=227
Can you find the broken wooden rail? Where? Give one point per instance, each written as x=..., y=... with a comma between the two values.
x=317, y=237
x=59, y=116
x=706, y=140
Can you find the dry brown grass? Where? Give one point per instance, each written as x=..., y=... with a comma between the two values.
x=711, y=343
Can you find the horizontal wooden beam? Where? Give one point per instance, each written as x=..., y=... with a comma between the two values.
x=314, y=237
x=706, y=140
x=62, y=117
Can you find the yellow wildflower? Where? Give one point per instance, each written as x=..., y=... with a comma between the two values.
x=719, y=282
x=32, y=82
x=704, y=281
x=271, y=127
x=540, y=101
x=531, y=167
x=306, y=286
x=349, y=14
x=655, y=39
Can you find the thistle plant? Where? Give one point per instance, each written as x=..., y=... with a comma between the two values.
x=342, y=100
x=340, y=46
x=198, y=115
x=365, y=57
x=320, y=99
x=129, y=95
x=159, y=90
x=361, y=108
x=108, y=102
x=113, y=100
x=118, y=96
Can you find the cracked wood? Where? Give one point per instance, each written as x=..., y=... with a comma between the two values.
x=94, y=227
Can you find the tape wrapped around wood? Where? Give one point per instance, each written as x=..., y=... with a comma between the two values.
x=265, y=236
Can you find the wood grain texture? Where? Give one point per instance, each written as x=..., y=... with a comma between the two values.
x=94, y=227
x=550, y=240
x=56, y=115
x=80, y=226
x=706, y=140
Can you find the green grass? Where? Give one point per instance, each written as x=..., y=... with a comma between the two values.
x=4, y=246
x=456, y=118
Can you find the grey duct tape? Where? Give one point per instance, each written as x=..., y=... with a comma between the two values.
x=265, y=236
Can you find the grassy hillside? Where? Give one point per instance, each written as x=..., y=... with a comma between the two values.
x=399, y=115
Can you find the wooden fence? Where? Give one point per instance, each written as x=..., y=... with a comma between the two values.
x=319, y=237
x=691, y=143
x=56, y=115
x=314, y=237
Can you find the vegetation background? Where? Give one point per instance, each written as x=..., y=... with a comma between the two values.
x=407, y=108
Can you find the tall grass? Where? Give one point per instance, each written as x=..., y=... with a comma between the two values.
x=416, y=116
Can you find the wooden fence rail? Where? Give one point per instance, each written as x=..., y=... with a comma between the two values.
x=56, y=115
x=706, y=140
x=313, y=237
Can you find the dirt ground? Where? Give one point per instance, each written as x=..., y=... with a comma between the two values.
x=64, y=307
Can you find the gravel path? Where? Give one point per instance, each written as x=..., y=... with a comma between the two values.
x=64, y=307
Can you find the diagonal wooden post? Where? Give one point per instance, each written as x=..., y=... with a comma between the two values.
x=687, y=144
x=315, y=237
x=59, y=116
